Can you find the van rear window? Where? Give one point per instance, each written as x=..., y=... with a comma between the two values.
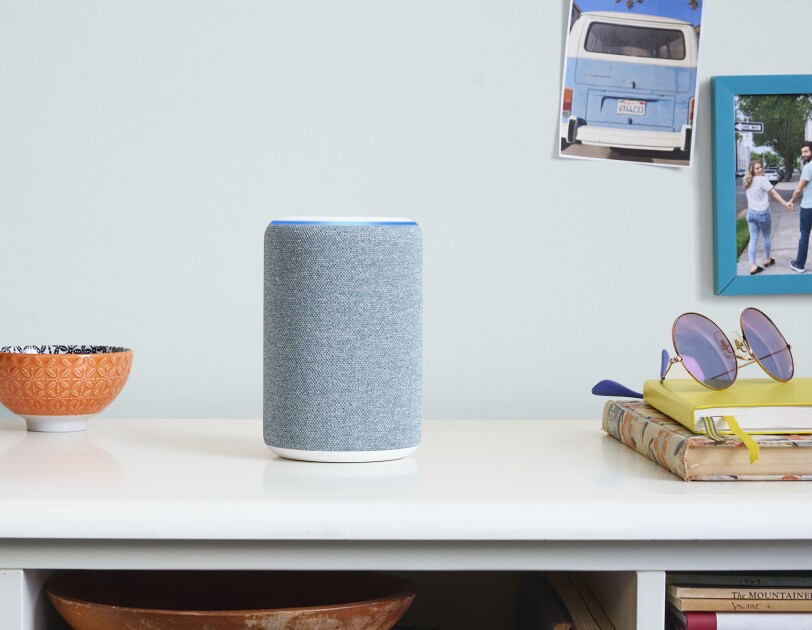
x=635, y=41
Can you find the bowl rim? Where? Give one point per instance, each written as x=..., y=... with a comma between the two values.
x=50, y=350
x=405, y=590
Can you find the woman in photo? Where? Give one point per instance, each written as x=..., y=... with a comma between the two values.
x=758, y=188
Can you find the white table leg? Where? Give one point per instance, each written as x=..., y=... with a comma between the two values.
x=12, y=599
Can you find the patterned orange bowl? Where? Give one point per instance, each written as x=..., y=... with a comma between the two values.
x=57, y=388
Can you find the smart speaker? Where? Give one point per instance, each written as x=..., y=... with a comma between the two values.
x=343, y=338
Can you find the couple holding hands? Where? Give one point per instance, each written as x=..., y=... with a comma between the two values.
x=758, y=190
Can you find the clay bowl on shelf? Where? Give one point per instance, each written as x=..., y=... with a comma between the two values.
x=57, y=388
x=230, y=600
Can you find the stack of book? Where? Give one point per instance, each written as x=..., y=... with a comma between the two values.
x=731, y=601
x=558, y=601
x=673, y=428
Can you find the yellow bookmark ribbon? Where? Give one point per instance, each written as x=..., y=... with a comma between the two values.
x=750, y=443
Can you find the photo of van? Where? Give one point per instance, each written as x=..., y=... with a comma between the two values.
x=630, y=83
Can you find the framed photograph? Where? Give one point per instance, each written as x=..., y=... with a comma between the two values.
x=760, y=200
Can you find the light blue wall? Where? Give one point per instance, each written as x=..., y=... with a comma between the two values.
x=144, y=146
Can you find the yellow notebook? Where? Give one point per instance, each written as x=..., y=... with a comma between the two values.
x=759, y=405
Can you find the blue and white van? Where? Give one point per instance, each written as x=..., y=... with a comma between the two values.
x=630, y=82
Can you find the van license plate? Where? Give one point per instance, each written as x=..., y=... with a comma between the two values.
x=635, y=108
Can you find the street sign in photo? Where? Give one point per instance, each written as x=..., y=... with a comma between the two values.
x=755, y=127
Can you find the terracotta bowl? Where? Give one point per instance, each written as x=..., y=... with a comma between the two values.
x=57, y=388
x=226, y=600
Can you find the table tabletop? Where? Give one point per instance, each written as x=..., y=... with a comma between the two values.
x=522, y=480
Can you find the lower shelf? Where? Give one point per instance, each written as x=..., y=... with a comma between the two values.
x=450, y=600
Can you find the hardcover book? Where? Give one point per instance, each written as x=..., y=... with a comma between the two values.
x=733, y=579
x=583, y=609
x=697, y=457
x=592, y=604
x=739, y=592
x=759, y=405
x=678, y=620
x=686, y=604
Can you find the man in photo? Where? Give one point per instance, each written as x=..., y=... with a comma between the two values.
x=804, y=190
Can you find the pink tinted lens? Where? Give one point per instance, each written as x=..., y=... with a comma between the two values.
x=768, y=344
x=705, y=350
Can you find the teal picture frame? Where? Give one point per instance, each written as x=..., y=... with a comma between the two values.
x=724, y=89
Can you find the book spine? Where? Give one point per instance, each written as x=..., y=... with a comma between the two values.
x=636, y=430
x=592, y=604
x=686, y=604
x=700, y=621
x=690, y=621
x=574, y=603
x=732, y=580
x=747, y=593
x=666, y=401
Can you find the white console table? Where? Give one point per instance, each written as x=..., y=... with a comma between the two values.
x=482, y=495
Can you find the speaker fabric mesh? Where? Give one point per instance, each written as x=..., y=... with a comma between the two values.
x=343, y=337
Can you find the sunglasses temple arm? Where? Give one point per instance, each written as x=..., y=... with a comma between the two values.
x=666, y=364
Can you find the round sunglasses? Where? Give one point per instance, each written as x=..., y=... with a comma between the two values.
x=713, y=361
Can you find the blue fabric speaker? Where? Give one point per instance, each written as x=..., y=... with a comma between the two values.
x=343, y=338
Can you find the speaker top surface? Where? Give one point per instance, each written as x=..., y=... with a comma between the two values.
x=343, y=221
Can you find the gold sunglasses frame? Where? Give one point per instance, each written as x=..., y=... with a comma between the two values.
x=740, y=346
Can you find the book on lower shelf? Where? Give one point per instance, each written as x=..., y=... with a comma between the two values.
x=680, y=590
x=732, y=579
x=539, y=606
x=558, y=601
x=678, y=620
x=731, y=601
x=732, y=604
x=696, y=457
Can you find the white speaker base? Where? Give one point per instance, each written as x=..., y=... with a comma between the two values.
x=343, y=456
